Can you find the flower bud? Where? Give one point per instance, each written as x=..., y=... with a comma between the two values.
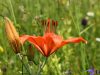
x=30, y=53
x=84, y=21
x=12, y=35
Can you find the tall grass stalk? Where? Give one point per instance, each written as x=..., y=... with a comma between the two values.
x=12, y=11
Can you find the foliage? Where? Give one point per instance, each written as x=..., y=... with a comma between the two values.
x=77, y=58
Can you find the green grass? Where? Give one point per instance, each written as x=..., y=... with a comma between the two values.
x=69, y=13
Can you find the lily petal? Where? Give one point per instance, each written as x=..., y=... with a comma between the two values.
x=23, y=38
x=73, y=40
x=39, y=43
x=54, y=42
x=49, y=43
x=36, y=41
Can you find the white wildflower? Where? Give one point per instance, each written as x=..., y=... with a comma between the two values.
x=90, y=14
x=98, y=39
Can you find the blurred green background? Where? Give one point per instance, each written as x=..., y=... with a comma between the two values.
x=75, y=18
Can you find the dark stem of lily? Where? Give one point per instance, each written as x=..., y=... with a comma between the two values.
x=20, y=57
x=42, y=66
x=22, y=66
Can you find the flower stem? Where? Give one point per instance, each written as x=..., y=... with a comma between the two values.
x=22, y=66
x=20, y=57
x=41, y=66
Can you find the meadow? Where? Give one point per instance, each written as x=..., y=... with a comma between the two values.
x=71, y=18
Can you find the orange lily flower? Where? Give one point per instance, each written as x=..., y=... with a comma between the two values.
x=50, y=42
